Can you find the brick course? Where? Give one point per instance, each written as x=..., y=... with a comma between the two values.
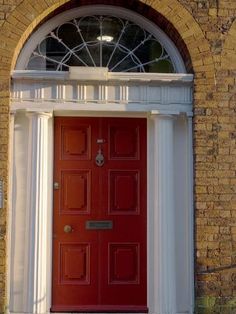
x=205, y=33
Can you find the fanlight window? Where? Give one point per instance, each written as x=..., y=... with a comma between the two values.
x=101, y=41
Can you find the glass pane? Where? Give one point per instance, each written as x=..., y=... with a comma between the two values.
x=69, y=35
x=133, y=36
x=52, y=47
x=150, y=51
x=163, y=66
x=81, y=57
x=117, y=58
x=95, y=53
x=90, y=28
x=36, y=63
x=112, y=28
x=73, y=61
x=107, y=51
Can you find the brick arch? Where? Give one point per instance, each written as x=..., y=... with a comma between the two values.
x=21, y=23
x=170, y=15
x=189, y=30
x=229, y=49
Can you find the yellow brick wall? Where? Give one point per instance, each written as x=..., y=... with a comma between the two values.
x=215, y=184
x=208, y=28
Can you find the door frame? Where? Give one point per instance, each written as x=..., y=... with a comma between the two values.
x=37, y=119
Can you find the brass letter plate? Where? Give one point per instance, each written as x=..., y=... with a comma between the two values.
x=99, y=224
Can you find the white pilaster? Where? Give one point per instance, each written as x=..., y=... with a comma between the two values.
x=164, y=235
x=36, y=294
x=190, y=222
x=10, y=206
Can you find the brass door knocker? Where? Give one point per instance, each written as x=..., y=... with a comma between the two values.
x=100, y=158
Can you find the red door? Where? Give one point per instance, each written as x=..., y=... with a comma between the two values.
x=99, y=237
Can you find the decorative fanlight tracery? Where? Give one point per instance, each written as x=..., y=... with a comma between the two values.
x=101, y=41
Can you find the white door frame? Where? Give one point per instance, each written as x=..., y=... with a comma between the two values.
x=166, y=102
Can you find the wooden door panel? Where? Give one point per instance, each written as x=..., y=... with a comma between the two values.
x=123, y=263
x=75, y=192
x=100, y=270
x=75, y=263
x=123, y=274
x=124, y=191
x=76, y=142
x=124, y=141
x=74, y=280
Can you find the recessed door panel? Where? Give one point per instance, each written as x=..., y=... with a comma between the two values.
x=99, y=244
x=124, y=141
x=124, y=263
x=75, y=263
x=75, y=191
x=124, y=191
x=76, y=142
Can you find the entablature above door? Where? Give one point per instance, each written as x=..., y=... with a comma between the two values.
x=96, y=89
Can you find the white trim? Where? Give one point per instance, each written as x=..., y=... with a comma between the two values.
x=10, y=205
x=35, y=299
x=77, y=109
x=164, y=212
x=191, y=215
x=139, y=92
x=100, y=9
x=81, y=75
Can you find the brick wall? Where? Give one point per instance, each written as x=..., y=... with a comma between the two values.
x=215, y=165
x=205, y=33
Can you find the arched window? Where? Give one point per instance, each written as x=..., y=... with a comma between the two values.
x=101, y=41
x=101, y=36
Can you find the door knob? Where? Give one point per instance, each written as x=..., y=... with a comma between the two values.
x=67, y=229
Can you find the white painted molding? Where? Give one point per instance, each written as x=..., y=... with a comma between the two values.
x=190, y=221
x=141, y=92
x=90, y=74
x=10, y=249
x=82, y=109
x=164, y=230
x=35, y=300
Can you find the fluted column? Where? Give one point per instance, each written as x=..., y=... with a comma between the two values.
x=164, y=235
x=10, y=279
x=37, y=212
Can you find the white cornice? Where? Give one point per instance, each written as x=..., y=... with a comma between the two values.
x=109, y=76
x=81, y=90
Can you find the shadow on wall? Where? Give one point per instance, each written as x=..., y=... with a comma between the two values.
x=214, y=286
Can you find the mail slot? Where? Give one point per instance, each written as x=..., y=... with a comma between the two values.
x=99, y=224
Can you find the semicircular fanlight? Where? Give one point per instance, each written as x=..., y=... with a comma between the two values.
x=101, y=41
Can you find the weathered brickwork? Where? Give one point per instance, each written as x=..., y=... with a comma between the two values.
x=215, y=179
x=205, y=33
